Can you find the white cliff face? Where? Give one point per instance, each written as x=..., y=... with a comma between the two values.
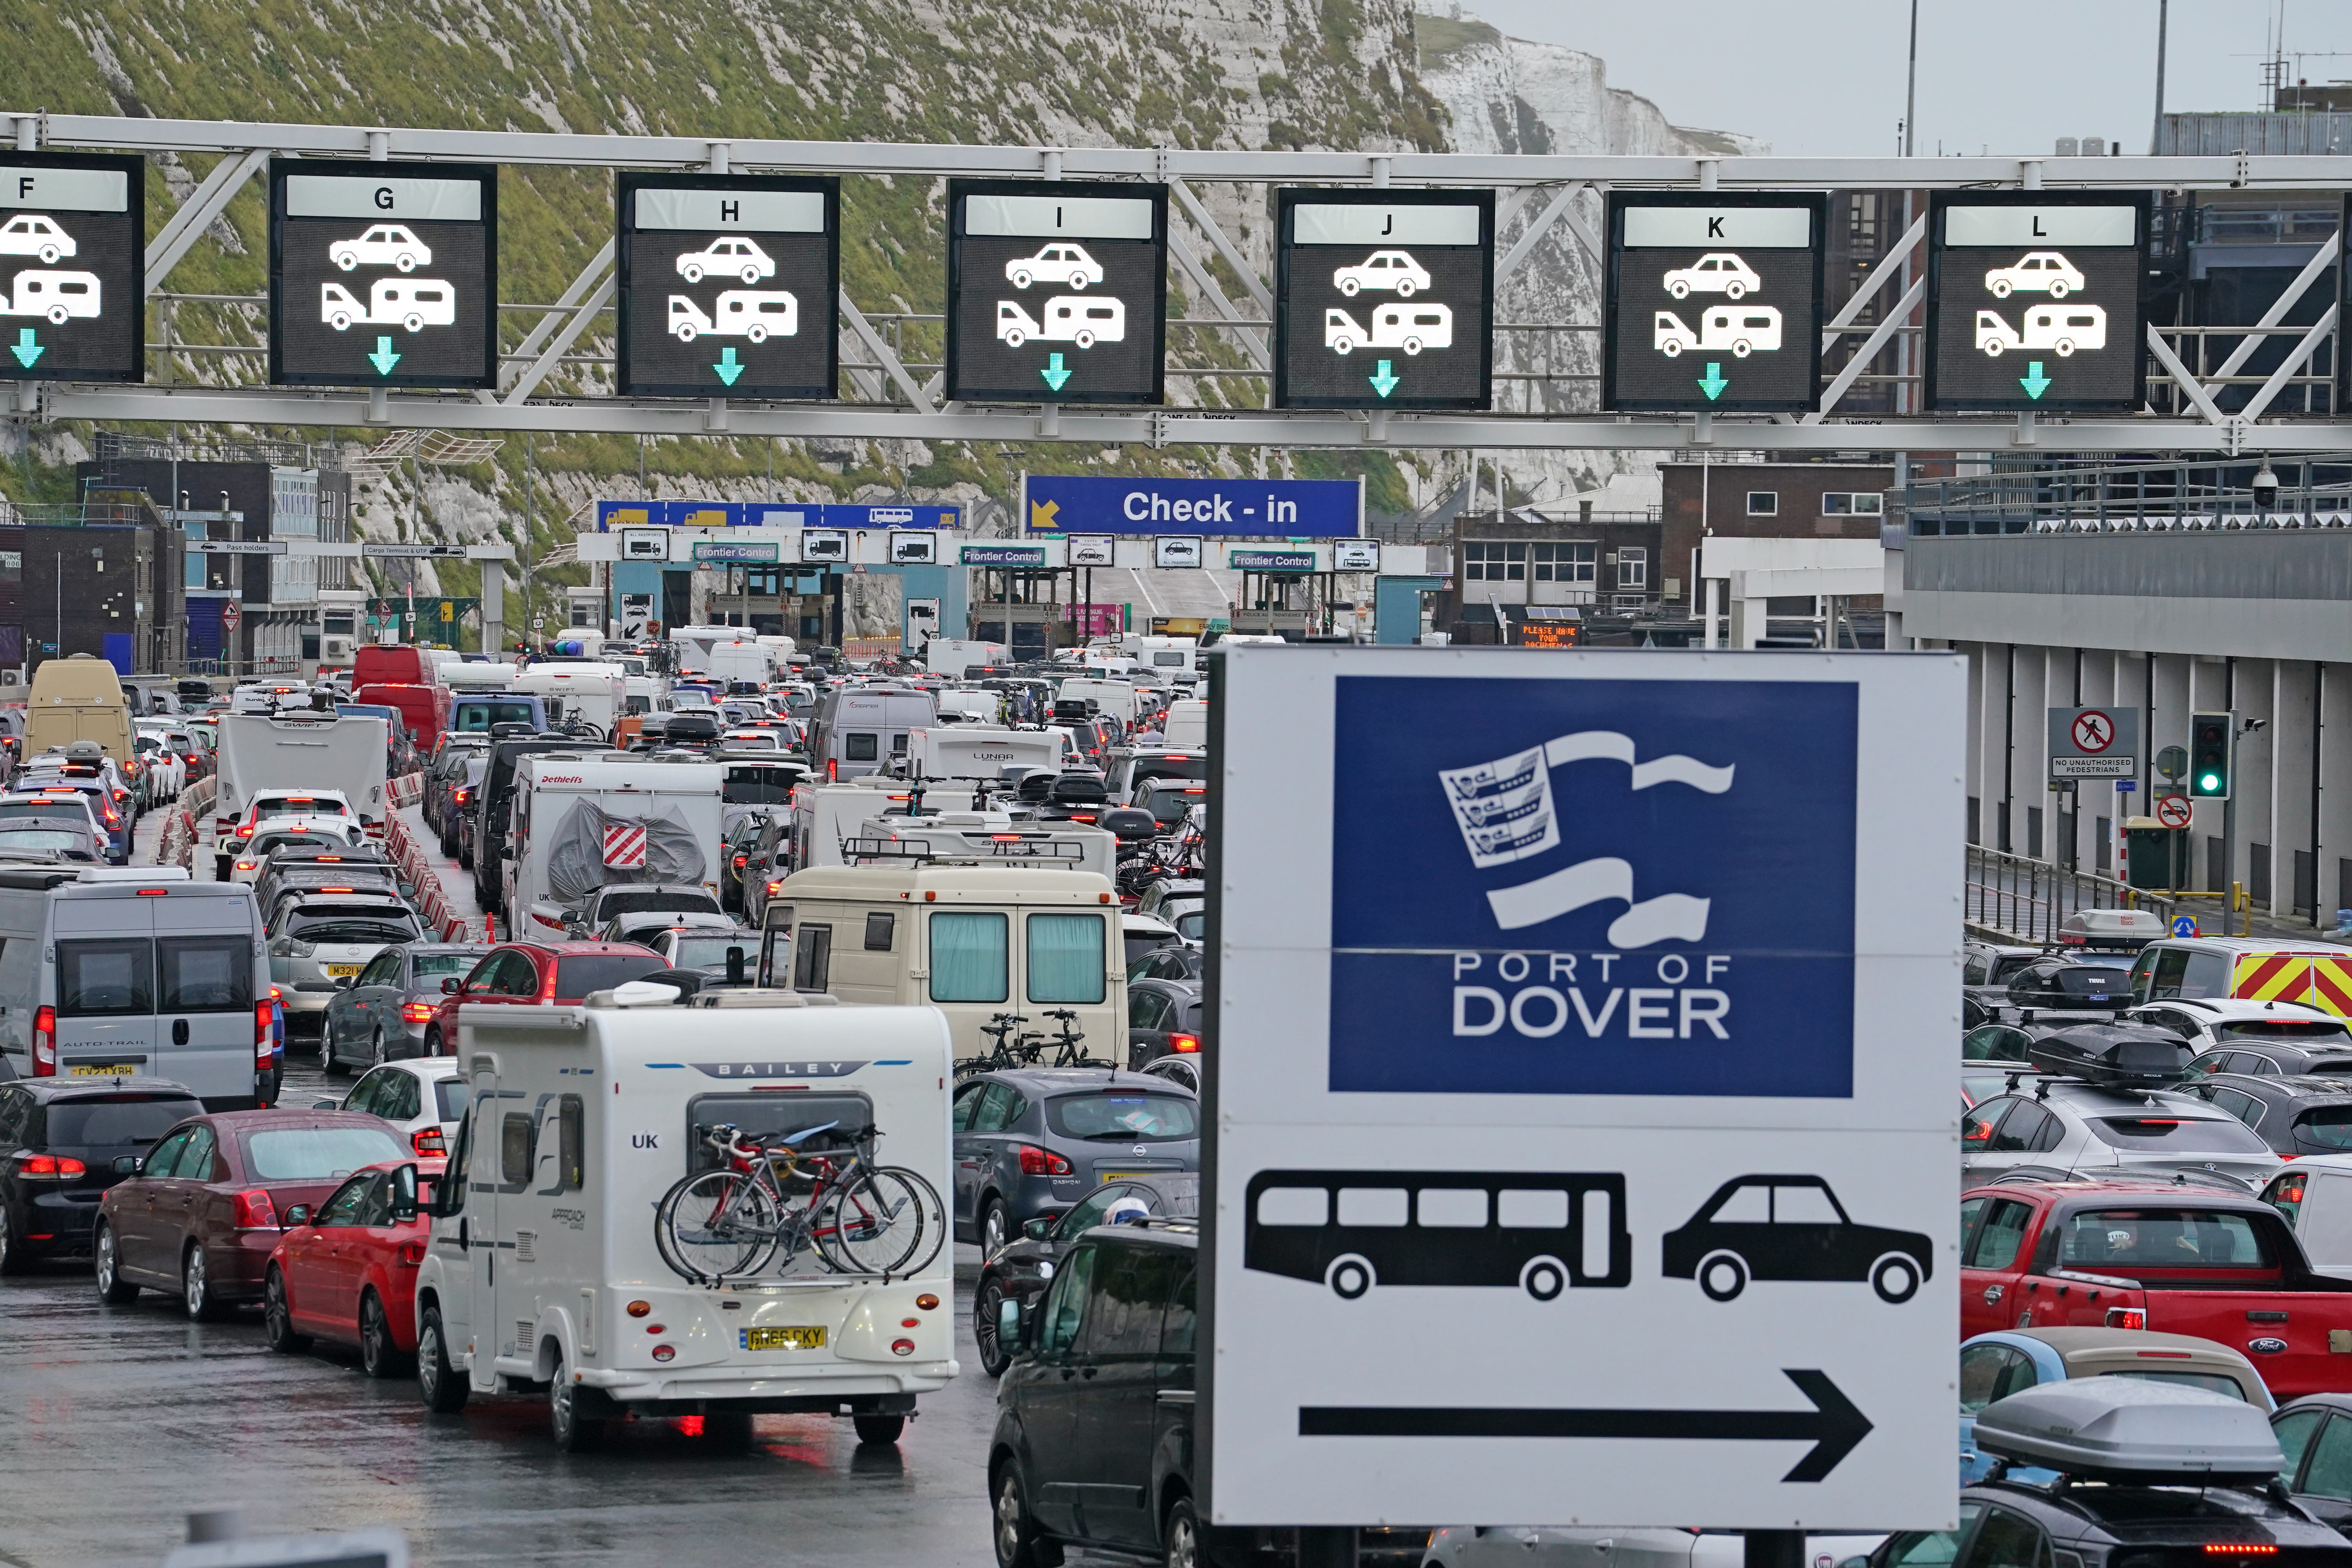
x=1513, y=96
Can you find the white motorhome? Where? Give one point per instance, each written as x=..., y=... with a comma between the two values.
x=951, y=656
x=861, y=729
x=1117, y=698
x=980, y=837
x=972, y=752
x=544, y=1272
x=689, y=645
x=319, y=752
x=590, y=693
x=740, y=661
x=478, y=677
x=825, y=815
x=973, y=939
x=1163, y=657
x=581, y=820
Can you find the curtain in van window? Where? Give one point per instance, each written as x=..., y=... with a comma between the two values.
x=968, y=958
x=1065, y=958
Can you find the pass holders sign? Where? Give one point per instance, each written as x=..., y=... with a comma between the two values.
x=1384, y=298
x=2034, y=300
x=1240, y=508
x=382, y=274
x=73, y=236
x=728, y=286
x=1356, y=555
x=1678, y=1088
x=1713, y=300
x=1058, y=292
x=1176, y=553
x=2093, y=744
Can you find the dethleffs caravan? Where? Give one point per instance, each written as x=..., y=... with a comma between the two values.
x=545, y=1275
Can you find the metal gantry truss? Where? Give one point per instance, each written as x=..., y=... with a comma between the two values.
x=897, y=405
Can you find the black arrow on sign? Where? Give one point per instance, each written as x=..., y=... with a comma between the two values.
x=1833, y=1425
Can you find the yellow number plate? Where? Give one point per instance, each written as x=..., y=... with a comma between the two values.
x=792, y=1338
x=339, y=970
x=103, y=1069
x=1125, y=1175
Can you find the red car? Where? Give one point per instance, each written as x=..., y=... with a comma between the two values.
x=199, y=1216
x=547, y=974
x=347, y=1270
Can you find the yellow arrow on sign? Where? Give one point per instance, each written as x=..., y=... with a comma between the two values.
x=1042, y=513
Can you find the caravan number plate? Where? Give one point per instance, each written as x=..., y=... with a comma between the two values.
x=782, y=1339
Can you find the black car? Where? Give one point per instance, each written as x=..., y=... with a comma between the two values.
x=2118, y=1524
x=2074, y=983
x=59, y=1139
x=736, y=848
x=2303, y=1114
x=2267, y=1058
x=1163, y=1016
x=1033, y=1143
x=1791, y=1228
x=2315, y=1433
x=1023, y=1266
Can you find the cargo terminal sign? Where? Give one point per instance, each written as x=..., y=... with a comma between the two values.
x=1058, y=292
x=1237, y=509
x=728, y=286
x=1384, y=299
x=1713, y=300
x=2033, y=300
x=73, y=236
x=382, y=274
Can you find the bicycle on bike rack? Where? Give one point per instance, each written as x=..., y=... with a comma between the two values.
x=999, y=1028
x=1072, y=1041
x=766, y=1201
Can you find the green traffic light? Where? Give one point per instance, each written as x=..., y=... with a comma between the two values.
x=2210, y=781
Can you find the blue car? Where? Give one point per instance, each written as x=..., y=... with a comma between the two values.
x=1995, y=1365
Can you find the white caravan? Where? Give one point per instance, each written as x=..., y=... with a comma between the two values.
x=1411, y=328
x=592, y=694
x=582, y=820
x=975, y=753
x=1737, y=330
x=414, y=303
x=58, y=297
x=544, y=1274
x=317, y=754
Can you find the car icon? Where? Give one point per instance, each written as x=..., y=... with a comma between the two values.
x=1067, y=265
x=1716, y=272
x=30, y=234
x=1791, y=1228
x=2037, y=272
x=730, y=256
x=1382, y=269
x=385, y=245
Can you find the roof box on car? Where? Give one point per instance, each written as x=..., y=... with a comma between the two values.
x=2124, y=929
x=2120, y=1054
x=2114, y=1428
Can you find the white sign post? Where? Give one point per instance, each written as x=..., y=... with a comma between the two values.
x=1579, y=1156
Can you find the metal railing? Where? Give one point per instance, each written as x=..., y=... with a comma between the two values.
x=2012, y=899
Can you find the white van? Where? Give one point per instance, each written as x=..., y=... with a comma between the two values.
x=579, y=821
x=977, y=941
x=1117, y=698
x=544, y=1273
x=592, y=694
x=109, y=971
x=1185, y=727
x=859, y=730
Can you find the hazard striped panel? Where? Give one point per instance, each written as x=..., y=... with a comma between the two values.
x=2331, y=985
x=2317, y=980
x=624, y=844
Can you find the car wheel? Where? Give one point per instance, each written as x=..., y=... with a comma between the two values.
x=1343, y=345
x=431, y=1042
x=448, y=848
x=1672, y=348
x=985, y=1304
x=1021, y=278
x=1349, y=1276
x=1999, y=287
x=685, y=330
x=442, y=1390
x=1079, y=282
x=112, y=1288
x=1014, y=1529
x=1678, y=288
x=573, y=1432
x=50, y=254
x=196, y=1296
x=1350, y=287
x=348, y=260
x=1405, y=287
x=14, y=1259
x=995, y=1228
x=1015, y=338
x=1896, y=1278
x=1992, y=349
x=406, y=261
x=1544, y=1279
x=375, y=1049
x=278, y=1317
x=691, y=272
x=340, y=321
x=1722, y=1275
x=379, y=1356
x=880, y=1431
x=1736, y=290
x=749, y=274
x=2057, y=289
x=1181, y=1541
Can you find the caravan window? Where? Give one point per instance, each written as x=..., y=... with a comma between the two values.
x=863, y=746
x=1065, y=958
x=769, y=1118
x=514, y=1148
x=105, y=979
x=968, y=957
x=881, y=929
x=571, y=1125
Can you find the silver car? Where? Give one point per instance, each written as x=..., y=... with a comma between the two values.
x=314, y=943
x=2059, y=1127
x=380, y=1013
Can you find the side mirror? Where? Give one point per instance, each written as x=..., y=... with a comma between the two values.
x=297, y=1216
x=403, y=1195
x=1036, y=1229
x=452, y=985
x=128, y=1164
x=345, y=982
x=1011, y=1326
x=326, y=1105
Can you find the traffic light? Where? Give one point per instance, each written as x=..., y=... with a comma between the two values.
x=2208, y=756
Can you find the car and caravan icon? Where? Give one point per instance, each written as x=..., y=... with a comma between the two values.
x=2060, y=329
x=2037, y=272
x=1068, y=319
x=57, y=296
x=33, y=234
x=758, y=314
x=729, y=256
x=1506, y=811
x=1791, y=1228
x=1411, y=328
x=1716, y=272
x=1391, y=270
x=1069, y=264
x=414, y=304
x=385, y=245
x=1741, y=330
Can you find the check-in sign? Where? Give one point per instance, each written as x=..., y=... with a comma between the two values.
x=2093, y=744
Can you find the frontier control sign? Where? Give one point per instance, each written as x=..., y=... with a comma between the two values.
x=1656, y=995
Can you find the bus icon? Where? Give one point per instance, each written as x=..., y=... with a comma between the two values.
x=1352, y=1230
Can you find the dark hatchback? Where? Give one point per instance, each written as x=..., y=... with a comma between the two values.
x=2303, y=1114
x=1025, y=1265
x=1033, y=1143
x=2011, y=1525
x=59, y=1139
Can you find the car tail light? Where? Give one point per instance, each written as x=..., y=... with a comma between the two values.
x=416, y=1012
x=547, y=984
x=255, y=1211
x=902, y=1347
x=1185, y=1042
x=248, y=865
x=123, y=794
x=1036, y=1162
x=2127, y=1317
x=428, y=1140
x=774, y=888
x=44, y=1042
x=665, y=1353
x=2241, y=1549
x=412, y=1253
x=264, y=1051
x=49, y=1167
x=464, y=795
x=741, y=862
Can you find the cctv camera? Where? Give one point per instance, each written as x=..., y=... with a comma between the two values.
x=2252, y=725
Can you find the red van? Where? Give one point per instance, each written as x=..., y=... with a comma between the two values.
x=397, y=664
x=424, y=708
